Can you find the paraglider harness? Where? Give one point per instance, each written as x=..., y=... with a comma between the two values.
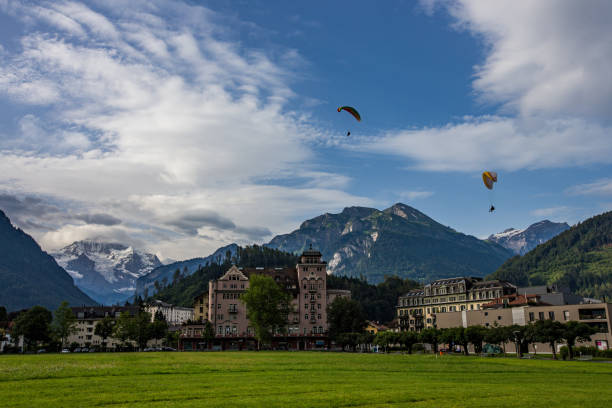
x=492, y=208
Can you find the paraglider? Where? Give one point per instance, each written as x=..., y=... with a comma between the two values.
x=489, y=178
x=353, y=112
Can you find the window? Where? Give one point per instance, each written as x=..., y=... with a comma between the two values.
x=305, y=295
x=531, y=316
x=219, y=306
x=318, y=305
x=551, y=315
x=306, y=306
x=220, y=330
x=541, y=315
x=486, y=313
x=566, y=315
x=305, y=317
x=319, y=317
x=201, y=309
x=498, y=317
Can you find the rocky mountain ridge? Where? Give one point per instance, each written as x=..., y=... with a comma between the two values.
x=521, y=241
x=399, y=240
x=107, y=272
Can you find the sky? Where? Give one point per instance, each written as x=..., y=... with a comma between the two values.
x=178, y=127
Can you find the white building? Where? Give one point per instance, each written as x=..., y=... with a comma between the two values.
x=174, y=315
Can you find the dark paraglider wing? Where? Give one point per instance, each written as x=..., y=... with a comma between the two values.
x=351, y=110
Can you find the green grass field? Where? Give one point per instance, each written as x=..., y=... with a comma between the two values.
x=283, y=379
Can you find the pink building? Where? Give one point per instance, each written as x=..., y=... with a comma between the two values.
x=307, y=325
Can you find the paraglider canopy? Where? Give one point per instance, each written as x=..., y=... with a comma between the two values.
x=351, y=110
x=488, y=178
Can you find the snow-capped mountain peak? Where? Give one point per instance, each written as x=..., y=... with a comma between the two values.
x=521, y=241
x=106, y=271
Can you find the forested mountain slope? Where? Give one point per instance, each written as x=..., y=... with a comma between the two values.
x=579, y=258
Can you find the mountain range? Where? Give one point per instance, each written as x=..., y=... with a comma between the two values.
x=30, y=276
x=579, y=258
x=521, y=241
x=165, y=274
x=400, y=241
x=107, y=272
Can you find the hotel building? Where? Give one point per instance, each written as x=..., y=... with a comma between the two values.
x=306, y=324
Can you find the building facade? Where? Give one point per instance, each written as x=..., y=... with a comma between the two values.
x=174, y=315
x=86, y=319
x=596, y=315
x=307, y=322
x=419, y=308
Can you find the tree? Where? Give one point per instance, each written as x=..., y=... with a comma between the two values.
x=476, y=335
x=549, y=331
x=159, y=327
x=456, y=336
x=345, y=316
x=104, y=329
x=430, y=335
x=498, y=335
x=268, y=307
x=575, y=331
x=64, y=322
x=124, y=327
x=408, y=339
x=348, y=339
x=34, y=325
x=523, y=336
x=384, y=338
x=208, y=334
x=3, y=317
x=142, y=329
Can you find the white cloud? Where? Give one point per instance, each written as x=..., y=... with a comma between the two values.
x=501, y=143
x=544, y=57
x=415, y=195
x=548, y=65
x=551, y=212
x=601, y=187
x=152, y=111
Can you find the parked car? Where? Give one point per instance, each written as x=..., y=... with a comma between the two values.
x=168, y=349
x=84, y=350
x=65, y=350
x=148, y=349
x=92, y=350
x=77, y=350
x=40, y=351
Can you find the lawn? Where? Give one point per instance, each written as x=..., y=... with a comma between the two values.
x=302, y=379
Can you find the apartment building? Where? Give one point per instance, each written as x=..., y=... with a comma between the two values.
x=307, y=323
x=419, y=308
x=86, y=319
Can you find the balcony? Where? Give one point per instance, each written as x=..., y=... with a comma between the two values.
x=232, y=311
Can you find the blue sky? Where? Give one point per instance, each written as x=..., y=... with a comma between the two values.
x=182, y=126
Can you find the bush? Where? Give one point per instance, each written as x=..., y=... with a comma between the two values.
x=586, y=350
x=418, y=347
x=592, y=351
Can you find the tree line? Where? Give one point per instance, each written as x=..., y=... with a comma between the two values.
x=42, y=328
